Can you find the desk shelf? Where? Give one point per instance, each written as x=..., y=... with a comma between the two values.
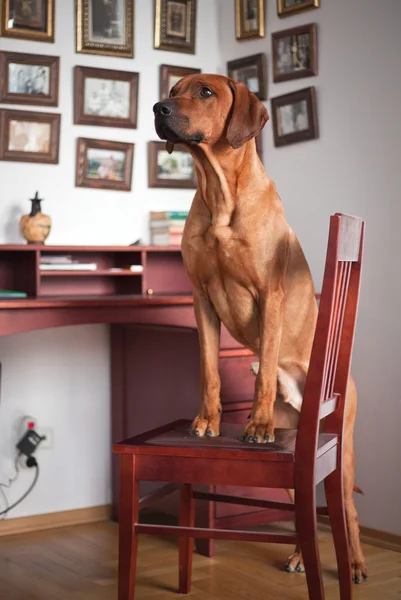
x=163, y=271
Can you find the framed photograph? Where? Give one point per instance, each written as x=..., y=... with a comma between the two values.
x=105, y=27
x=29, y=79
x=286, y=8
x=252, y=71
x=294, y=117
x=294, y=53
x=103, y=164
x=169, y=75
x=105, y=98
x=249, y=19
x=29, y=136
x=28, y=19
x=175, y=25
x=175, y=170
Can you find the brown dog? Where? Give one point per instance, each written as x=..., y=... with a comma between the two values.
x=247, y=267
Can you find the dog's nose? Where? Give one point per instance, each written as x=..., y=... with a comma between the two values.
x=162, y=108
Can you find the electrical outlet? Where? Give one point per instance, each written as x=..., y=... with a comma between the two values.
x=46, y=444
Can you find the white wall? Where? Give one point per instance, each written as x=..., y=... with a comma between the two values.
x=62, y=376
x=354, y=167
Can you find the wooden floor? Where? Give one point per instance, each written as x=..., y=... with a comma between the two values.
x=80, y=563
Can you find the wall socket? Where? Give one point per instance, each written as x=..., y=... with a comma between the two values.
x=47, y=444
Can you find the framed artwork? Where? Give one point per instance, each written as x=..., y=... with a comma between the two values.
x=27, y=136
x=28, y=19
x=252, y=71
x=175, y=25
x=169, y=75
x=175, y=170
x=286, y=8
x=294, y=53
x=103, y=164
x=29, y=79
x=295, y=117
x=105, y=27
x=249, y=19
x=105, y=98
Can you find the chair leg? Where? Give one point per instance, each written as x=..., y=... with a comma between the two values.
x=335, y=505
x=186, y=545
x=306, y=524
x=128, y=540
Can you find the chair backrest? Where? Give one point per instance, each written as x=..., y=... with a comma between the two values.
x=329, y=366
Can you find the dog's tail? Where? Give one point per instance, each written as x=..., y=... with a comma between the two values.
x=358, y=490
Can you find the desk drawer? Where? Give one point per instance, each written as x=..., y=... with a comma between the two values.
x=237, y=381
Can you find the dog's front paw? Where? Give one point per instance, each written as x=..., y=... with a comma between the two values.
x=206, y=425
x=258, y=431
x=295, y=563
x=359, y=572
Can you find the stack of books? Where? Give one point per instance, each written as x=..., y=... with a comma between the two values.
x=64, y=262
x=166, y=227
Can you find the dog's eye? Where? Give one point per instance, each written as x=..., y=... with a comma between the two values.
x=171, y=94
x=206, y=92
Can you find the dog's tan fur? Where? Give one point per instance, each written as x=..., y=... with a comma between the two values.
x=247, y=266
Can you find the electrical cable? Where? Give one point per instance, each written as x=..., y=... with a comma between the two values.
x=10, y=481
x=31, y=462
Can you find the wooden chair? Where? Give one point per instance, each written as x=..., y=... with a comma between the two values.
x=297, y=460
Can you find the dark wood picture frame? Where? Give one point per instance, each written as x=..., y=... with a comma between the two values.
x=307, y=95
x=81, y=180
x=85, y=45
x=257, y=61
x=241, y=31
x=155, y=181
x=42, y=31
x=81, y=118
x=286, y=11
x=309, y=71
x=166, y=71
x=52, y=62
x=53, y=119
x=164, y=38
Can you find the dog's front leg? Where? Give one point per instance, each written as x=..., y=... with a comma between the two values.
x=261, y=425
x=207, y=421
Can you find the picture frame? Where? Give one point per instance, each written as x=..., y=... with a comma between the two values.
x=105, y=97
x=108, y=30
x=175, y=25
x=286, y=8
x=29, y=79
x=100, y=164
x=28, y=21
x=251, y=70
x=294, y=53
x=295, y=117
x=27, y=136
x=170, y=75
x=249, y=19
x=175, y=170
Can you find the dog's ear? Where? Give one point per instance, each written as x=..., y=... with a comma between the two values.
x=248, y=115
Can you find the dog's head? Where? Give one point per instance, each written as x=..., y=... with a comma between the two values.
x=207, y=109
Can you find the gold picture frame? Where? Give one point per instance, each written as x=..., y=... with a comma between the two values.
x=286, y=8
x=98, y=33
x=249, y=19
x=36, y=24
x=175, y=25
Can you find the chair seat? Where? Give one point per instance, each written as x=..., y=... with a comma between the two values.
x=176, y=439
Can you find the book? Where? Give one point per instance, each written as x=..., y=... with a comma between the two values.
x=54, y=259
x=68, y=267
x=12, y=294
x=168, y=214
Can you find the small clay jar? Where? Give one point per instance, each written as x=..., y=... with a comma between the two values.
x=36, y=226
